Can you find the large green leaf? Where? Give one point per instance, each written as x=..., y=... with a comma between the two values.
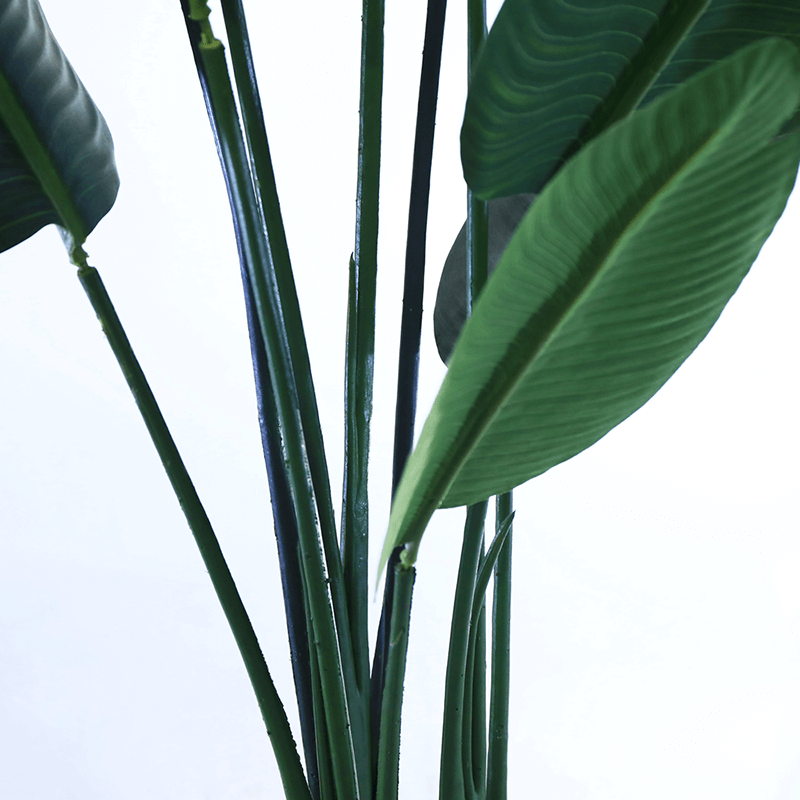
x=614, y=276
x=56, y=154
x=534, y=124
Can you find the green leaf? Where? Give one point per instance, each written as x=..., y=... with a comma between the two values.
x=56, y=154
x=725, y=27
x=532, y=123
x=552, y=75
x=615, y=275
x=450, y=311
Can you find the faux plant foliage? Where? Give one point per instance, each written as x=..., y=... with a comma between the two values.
x=726, y=26
x=553, y=75
x=544, y=71
x=450, y=311
x=614, y=276
x=56, y=154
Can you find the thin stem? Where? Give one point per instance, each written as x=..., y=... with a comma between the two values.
x=411, y=321
x=284, y=519
x=474, y=722
x=278, y=261
x=279, y=264
x=389, y=759
x=271, y=315
x=451, y=774
x=497, y=770
x=360, y=353
x=272, y=710
x=477, y=687
x=286, y=535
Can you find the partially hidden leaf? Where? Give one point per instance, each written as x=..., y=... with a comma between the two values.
x=548, y=71
x=614, y=276
x=450, y=311
x=554, y=75
x=725, y=27
x=56, y=154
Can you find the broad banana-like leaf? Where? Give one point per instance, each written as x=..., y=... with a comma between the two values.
x=553, y=75
x=56, y=154
x=615, y=275
x=724, y=27
x=450, y=311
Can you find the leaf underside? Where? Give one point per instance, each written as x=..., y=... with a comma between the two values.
x=56, y=153
x=614, y=276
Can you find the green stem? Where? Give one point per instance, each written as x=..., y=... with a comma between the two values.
x=278, y=261
x=473, y=734
x=355, y=666
x=452, y=769
x=497, y=772
x=474, y=722
x=272, y=710
x=271, y=316
x=389, y=741
x=361, y=344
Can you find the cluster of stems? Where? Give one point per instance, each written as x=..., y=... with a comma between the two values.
x=349, y=709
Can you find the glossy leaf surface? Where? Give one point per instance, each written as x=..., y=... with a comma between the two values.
x=56, y=154
x=614, y=276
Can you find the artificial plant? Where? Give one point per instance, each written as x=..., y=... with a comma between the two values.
x=656, y=182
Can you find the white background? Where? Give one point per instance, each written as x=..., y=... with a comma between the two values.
x=655, y=623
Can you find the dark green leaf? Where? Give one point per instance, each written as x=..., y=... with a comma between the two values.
x=552, y=75
x=725, y=27
x=614, y=276
x=450, y=311
x=56, y=154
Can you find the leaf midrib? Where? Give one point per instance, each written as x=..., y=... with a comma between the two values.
x=38, y=159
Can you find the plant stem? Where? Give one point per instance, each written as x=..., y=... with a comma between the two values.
x=453, y=767
x=411, y=321
x=497, y=770
x=286, y=537
x=272, y=710
x=271, y=315
x=284, y=519
x=389, y=749
x=477, y=234
x=278, y=261
x=279, y=264
x=359, y=360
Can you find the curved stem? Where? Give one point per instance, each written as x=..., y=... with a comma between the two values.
x=271, y=315
x=451, y=774
x=361, y=343
x=389, y=739
x=497, y=769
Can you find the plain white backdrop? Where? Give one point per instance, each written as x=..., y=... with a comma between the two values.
x=656, y=618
